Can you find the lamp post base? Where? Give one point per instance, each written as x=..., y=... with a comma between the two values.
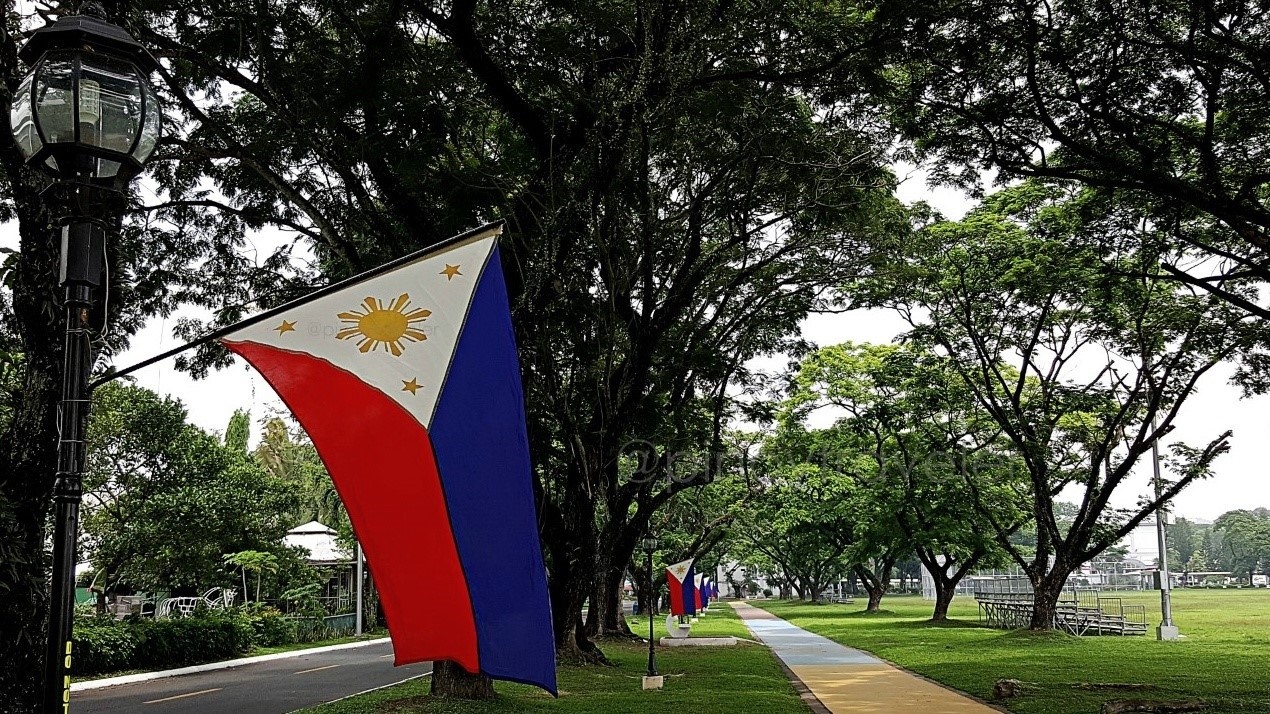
x=653, y=682
x=1167, y=632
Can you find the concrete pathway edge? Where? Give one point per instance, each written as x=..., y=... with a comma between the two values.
x=210, y=666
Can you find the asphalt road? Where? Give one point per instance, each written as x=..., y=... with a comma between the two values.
x=274, y=687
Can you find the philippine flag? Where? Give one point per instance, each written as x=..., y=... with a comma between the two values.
x=407, y=380
x=696, y=591
x=679, y=580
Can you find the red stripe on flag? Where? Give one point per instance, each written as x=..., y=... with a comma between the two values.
x=381, y=461
x=676, y=589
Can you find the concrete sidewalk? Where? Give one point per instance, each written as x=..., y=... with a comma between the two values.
x=849, y=681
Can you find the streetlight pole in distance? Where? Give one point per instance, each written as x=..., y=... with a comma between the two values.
x=1167, y=630
x=86, y=114
x=652, y=680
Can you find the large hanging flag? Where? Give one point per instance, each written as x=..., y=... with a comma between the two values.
x=679, y=580
x=407, y=380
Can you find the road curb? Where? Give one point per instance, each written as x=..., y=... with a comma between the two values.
x=211, y=666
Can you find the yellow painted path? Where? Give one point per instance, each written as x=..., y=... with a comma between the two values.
x=849, y=681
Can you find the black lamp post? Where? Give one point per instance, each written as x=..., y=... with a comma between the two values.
x=650, y=545
x=87, y=114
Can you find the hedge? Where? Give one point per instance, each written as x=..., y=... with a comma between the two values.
x=104, y=645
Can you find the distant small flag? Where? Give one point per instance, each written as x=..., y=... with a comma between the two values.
x=679, y=579
x=696, y=591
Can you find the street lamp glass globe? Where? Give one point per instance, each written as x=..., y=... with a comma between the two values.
x=86, y=111
x=650, y=544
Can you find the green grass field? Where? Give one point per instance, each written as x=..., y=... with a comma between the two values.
x=710, y=680
x=1224, y=660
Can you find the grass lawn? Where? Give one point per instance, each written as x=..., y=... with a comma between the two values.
x=1224, y=660
x=707, y=680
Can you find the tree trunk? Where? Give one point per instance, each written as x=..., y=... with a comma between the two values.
x=568, y=532
x=943, y=598
x=875, y=584
x=875, y=599
x=605, y=617
x=28, y=449
x=1046, y=592
x=451, y=681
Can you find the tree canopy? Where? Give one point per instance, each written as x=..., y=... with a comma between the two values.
x=1162, y=103
x=165, y=501
x=1081, y=367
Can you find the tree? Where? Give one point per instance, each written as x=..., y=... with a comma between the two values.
x=696, y=524
x=1082, y=368
x=1245, y=538
x=881, y=544
x=1155, y=102
x=803, y=520
x=238, y=431
x=286, y=453
x=908, y=412
x=254, y=561
x=675, y=200
x=1185, y=538
x=165, y=501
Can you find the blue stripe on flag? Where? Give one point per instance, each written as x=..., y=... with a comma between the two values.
x=482, y=451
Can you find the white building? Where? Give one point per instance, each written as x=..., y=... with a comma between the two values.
x=326, y=553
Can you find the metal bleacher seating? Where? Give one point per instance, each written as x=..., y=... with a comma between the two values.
x=1007, y=603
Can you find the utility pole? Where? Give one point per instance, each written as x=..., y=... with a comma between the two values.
x=361, y=579
x=1167, y=630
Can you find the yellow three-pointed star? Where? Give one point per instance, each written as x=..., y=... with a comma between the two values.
x=412, y=386
x=285, y=327
x=450, y=271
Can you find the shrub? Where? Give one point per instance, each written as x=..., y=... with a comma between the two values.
x=102, y=646
x=310, y=629
x=106, y=646
x=193, y=640
x=270, y=628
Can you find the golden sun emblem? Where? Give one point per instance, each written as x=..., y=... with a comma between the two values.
x=378, y=323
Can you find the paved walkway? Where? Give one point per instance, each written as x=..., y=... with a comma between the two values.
x=849, y=681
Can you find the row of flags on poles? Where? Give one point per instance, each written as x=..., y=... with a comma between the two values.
x=690, y=591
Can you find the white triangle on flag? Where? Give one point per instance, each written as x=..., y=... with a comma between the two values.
x=396, y=331
x=679, y=571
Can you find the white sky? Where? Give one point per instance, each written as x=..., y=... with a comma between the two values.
x=1240, y=475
